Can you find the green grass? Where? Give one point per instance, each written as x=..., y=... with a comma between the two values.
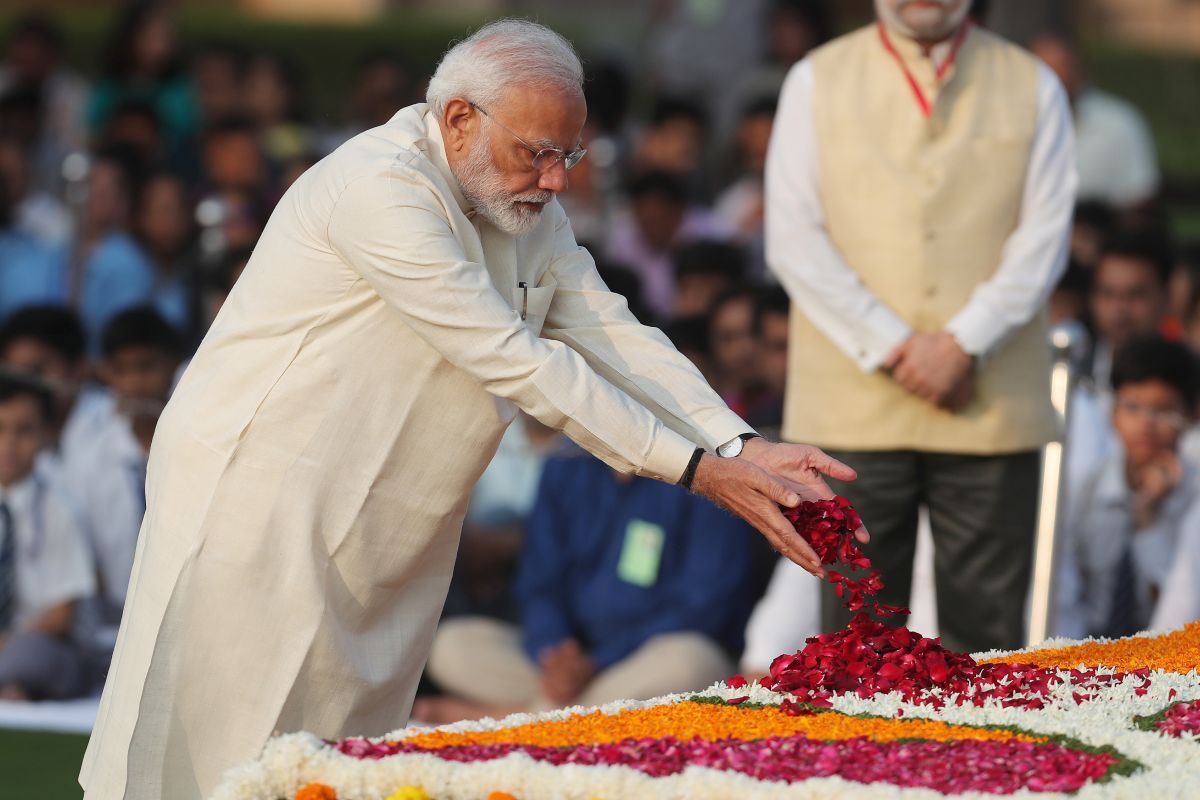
x=40, y=766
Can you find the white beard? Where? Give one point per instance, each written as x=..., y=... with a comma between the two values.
x=483, y=187
x=927, y=25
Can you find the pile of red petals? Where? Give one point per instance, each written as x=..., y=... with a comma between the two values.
x=1180, y=719
x=869, y=657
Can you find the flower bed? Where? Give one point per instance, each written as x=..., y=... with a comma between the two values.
x=870, y=711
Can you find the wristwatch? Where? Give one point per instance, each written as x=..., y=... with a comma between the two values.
x=733, y=448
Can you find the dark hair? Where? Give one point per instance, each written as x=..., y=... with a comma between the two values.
x=140, y=326
x=736, y=293
x=13, y=386
x=710, y=257
x=660, y=184
x=689, y=333
x=1075, y=279
x=764, y=105
x=1095, y=214
x=137, y=107
x=120, y=50
x=769, y=300
x=815, y=14
x=669, y=108
x=606, y=88
x=230, y=125
x=55, y=327
x=129, y=164
x=1153, y=358
x=38, y=26
x=1147, y=244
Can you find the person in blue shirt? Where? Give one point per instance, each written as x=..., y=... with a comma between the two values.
x=627, y=588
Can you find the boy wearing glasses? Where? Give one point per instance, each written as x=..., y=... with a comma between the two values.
x=1126, y=520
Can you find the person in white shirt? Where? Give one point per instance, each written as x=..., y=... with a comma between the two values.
x=44, y=564
x=1113, y=144
x=107, y=478
x=48, y=343
x=920, y=182
x=1125, y=521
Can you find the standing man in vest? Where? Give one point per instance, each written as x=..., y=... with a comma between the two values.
x=920, y=182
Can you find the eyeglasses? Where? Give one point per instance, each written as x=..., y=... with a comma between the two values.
x=1159, y=416
x=543, y=157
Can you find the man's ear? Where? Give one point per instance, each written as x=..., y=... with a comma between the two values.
x=458, y=122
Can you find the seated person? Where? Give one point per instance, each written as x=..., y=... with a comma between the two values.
x=627, y=588
x=140, y=355
x=496, y=520
x=48, y=343
x=44, y=565
x=1126, y=518
x=704, y=271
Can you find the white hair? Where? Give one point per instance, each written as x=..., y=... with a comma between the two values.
x=502, y=54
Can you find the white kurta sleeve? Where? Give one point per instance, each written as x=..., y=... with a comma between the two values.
x=798, y=248
x=392, y=230
x=1036, y=251
x=639, y=359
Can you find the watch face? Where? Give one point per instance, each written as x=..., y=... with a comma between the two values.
x=731, y=448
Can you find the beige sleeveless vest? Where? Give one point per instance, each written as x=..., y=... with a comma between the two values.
x=920, y=209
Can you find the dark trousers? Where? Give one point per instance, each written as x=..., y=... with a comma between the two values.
x=982, y=509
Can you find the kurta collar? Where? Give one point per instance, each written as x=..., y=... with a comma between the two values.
x=436, y=150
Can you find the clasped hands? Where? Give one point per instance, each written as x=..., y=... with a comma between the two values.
x=935, y=368
x=769, y=475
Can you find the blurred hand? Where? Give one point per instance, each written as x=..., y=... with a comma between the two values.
x=1152, y=483
x=746, y=489
x=931, y=366
x=800, y=467
x=566, y=671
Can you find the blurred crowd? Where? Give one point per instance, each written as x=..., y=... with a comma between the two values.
x=132, y=196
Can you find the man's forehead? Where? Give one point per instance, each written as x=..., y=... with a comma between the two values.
x=550, y=117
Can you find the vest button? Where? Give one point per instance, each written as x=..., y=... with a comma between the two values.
x=931, y=291
x=930, y=236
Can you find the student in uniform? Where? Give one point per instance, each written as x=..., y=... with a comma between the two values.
x=140, y=355
x=44, y=564
x=47, y=343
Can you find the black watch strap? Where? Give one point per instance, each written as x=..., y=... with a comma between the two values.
x=689, y=474
x=745, y=437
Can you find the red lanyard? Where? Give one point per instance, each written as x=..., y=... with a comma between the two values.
x=922, y=101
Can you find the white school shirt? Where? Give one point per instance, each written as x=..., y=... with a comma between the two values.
x=52, y=563
x=106, y=478
x=1179, y=602
x=1099, y=528
x=830, y=292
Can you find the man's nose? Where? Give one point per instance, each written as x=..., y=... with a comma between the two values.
x=554, y=179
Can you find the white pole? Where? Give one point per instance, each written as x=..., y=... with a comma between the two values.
x=1068, y=342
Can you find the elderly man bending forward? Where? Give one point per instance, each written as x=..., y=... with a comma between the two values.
x=307, y=483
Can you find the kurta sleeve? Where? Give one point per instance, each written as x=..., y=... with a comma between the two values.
x=393, y=231
x=639, y=359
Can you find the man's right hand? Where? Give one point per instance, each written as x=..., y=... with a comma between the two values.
x=739, y=486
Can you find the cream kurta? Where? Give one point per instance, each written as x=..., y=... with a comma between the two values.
x=308, y=480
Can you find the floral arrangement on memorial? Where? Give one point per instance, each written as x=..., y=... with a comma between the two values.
x=870, y=711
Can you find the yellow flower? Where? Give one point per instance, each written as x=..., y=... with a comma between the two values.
x=408, y=793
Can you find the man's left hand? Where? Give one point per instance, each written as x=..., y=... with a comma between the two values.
x=801, y=467
x=932, y=366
